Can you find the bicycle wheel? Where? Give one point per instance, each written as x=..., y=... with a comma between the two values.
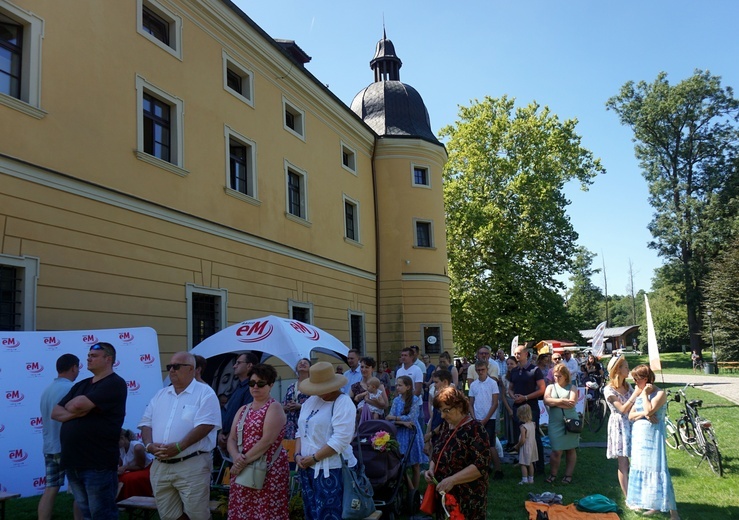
x=711, y=451
x=688, y=437
x=597, y=414
x=671, y=437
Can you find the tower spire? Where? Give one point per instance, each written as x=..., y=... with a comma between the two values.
x=386, y=63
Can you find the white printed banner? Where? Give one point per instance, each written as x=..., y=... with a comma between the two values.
x=28, y=366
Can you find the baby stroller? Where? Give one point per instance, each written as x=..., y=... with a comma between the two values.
x=386, y=471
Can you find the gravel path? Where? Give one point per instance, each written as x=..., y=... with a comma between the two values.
x=726, y=387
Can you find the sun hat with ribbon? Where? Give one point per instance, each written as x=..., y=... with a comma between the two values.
x=322, y=380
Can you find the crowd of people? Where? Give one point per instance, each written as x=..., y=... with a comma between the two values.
x=445, y=423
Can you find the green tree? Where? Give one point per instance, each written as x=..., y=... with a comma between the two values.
x=722, y=299
x=669, y=312
x=508, y=235
x=584, y=298
x=686, y=142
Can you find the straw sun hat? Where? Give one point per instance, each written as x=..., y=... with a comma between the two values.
x=322, y=380
x=613, y=362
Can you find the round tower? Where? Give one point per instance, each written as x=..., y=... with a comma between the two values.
x=413, y=286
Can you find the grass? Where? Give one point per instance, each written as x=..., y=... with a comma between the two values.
x=701, y=495
x=673, y=363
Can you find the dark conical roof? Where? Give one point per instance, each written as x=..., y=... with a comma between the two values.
x=388, y=106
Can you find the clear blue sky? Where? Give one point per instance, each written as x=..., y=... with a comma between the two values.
x=570, y=55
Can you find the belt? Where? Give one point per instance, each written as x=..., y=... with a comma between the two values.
x=175, y=461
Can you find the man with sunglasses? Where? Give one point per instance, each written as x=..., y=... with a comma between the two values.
x=92, y=416
x=175, y=428
x=240, y=395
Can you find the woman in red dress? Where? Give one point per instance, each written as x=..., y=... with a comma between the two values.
x=263, y=422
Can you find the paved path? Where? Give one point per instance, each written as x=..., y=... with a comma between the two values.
x=726, y=387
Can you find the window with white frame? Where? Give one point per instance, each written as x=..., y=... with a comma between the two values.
x=293, y=119
x=296, y=192
x=351, y=219
x=356, y=331
x=423, y=233
x=421, y=176
x=21, y=34
x=237, y=79
x=300, y=311
x=18, y=278
x=160, y=26
x=348, y=158
x=206, y=312
x=160, y=126
x=241, y=164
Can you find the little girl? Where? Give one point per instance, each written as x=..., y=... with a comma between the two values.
x=405, y=412
x=374, y=398
x=527, y=452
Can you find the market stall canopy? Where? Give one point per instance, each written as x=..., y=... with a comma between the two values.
x=288, y=340
x=548, y=346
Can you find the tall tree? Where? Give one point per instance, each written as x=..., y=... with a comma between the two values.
x=722, y=298
x=584, y=298
x=686, y=142
x=508, y=235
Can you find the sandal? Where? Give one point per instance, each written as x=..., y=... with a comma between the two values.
x=567, y=479
x=550, y=479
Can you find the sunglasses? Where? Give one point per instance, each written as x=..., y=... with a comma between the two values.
x=260, y=384
x=556, y=358
x=100, y=347
x=177, y=366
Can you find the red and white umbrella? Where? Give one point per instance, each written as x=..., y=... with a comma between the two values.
x=288, y=340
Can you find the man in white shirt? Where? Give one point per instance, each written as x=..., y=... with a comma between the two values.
x=417, y=359
x=408, y=368
x=353, y=375
x=572, y=365
x=483, y=354
x=175, y=428
x=484, y=397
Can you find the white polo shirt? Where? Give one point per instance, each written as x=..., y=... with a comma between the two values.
x=171, y=416
x=413, y=372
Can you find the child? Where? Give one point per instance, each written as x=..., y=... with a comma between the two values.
x=374, y=398
x=405, y=412
x=527, y=452
x=484, y=394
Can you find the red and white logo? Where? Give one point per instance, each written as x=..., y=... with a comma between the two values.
x=39, y=482
x=17, y=456
x=89, y=339
x=14, y=396
x=52, y=341
x=252, y=332
x=306, y=330
x=10, y=342
x=125, y=336
x=37, y=423
x=34, y=367
x=133, y=385
x=147, y=359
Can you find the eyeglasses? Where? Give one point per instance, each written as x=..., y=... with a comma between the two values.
x=446, y=410
x=177, y=366
x=241, y=363
x=260, y=384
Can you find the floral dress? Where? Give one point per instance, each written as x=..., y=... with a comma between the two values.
x=414, y=451
x=293, y=395
x=468, y=446
x=270, y=502
x=619, y=426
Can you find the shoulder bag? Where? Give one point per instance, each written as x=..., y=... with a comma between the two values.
x=572, y=419
x=253, y=475
x=357, y=502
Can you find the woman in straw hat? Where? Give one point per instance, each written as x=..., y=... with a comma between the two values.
x=325, y=430
x=620, y=397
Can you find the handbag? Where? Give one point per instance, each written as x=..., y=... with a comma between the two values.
x=428, y=504
x=254, y=474
x=572, y=424
x=357, y=502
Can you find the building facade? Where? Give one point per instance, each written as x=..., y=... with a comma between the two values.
x=169, y=164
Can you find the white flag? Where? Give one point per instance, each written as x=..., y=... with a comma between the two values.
x=654, y=362
x=597, y=345
x=514, y=344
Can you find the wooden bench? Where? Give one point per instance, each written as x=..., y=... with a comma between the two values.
x=4, y=497
x=144, y=507
x=729, y=366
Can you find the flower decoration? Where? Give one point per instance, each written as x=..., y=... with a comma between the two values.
x=451, y=507
x=382, y=441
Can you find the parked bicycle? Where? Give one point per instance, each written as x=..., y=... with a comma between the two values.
x=596, y=408
x=693, y=432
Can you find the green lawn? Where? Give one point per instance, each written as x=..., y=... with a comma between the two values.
x=673, y=362
x=701, y=495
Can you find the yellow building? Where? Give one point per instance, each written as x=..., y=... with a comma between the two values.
x=166, y=163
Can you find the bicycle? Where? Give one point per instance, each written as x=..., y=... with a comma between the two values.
x=671, y=436
x=695, y=433
x=596, y=408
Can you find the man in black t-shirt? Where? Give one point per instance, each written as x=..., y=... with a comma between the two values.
x=528, y=388
x=92, y=415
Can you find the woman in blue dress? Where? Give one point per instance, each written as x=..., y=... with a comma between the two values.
x=650, y=484
x=405, y=412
